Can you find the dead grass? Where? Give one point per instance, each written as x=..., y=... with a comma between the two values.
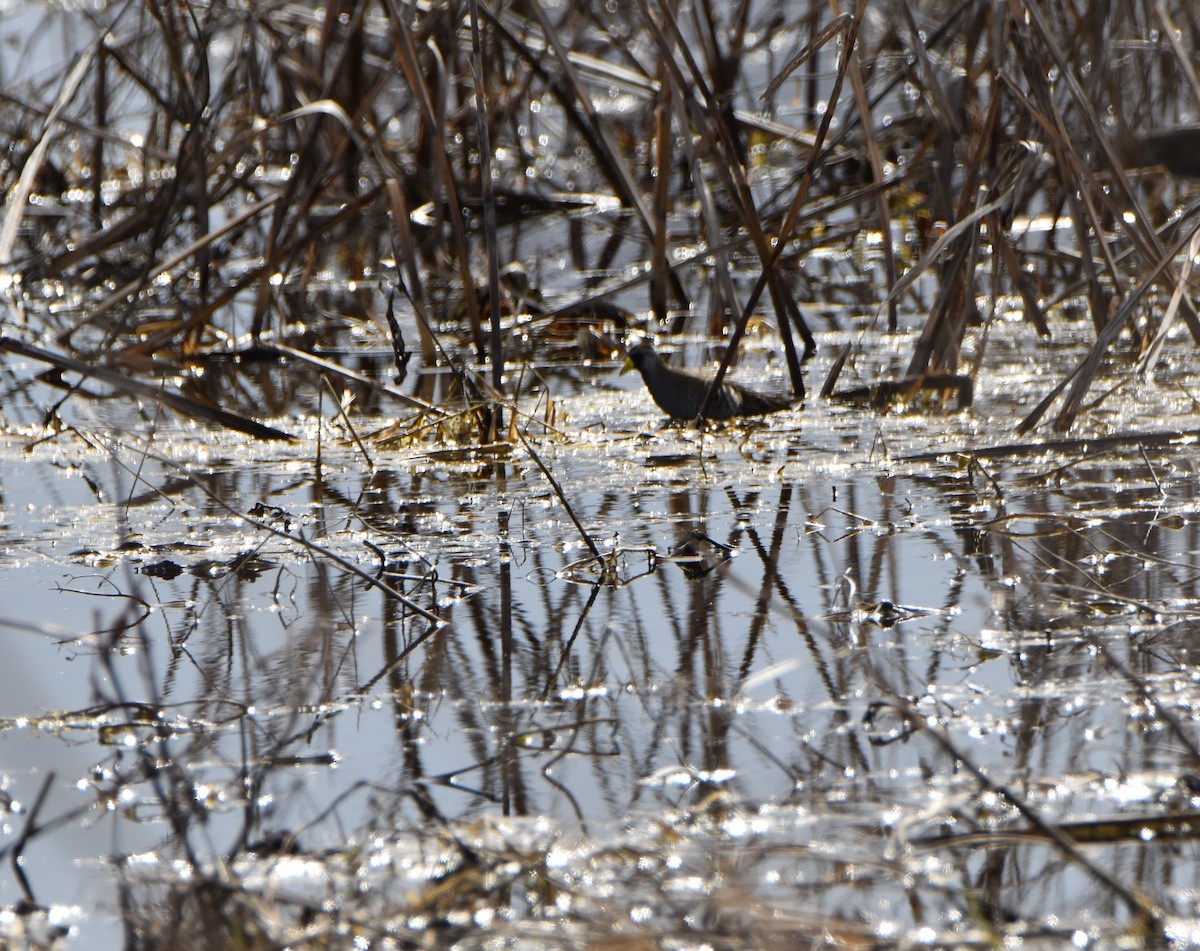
x=204, y=166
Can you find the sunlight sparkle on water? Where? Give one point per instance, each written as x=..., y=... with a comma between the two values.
x=558, y=857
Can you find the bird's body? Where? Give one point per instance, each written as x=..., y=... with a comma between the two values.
x=680, y=393
x=1177, y=149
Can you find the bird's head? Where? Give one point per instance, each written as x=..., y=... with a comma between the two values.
x=639, y=357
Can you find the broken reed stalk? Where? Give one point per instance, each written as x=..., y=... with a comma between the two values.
x=663, y=153
x=154, y=392
x=875, y=161
x=495, y=308
x=562, y=498
x=404, y=250
x=100, y=116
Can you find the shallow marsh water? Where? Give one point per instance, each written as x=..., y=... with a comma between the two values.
x=852, y=679
x=824, y=624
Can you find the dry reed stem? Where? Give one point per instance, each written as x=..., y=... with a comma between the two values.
x=458, y=86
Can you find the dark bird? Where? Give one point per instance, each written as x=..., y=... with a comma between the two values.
x=1177, y=149
x=680, y=393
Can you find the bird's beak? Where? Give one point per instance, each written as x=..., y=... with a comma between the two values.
x=628, y=366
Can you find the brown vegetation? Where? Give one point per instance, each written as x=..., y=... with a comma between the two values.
x=197, y=168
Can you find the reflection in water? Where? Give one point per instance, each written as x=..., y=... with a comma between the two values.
x=830, y=690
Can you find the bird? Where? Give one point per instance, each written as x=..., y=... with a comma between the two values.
x=1173, y=148
x=680, y=393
